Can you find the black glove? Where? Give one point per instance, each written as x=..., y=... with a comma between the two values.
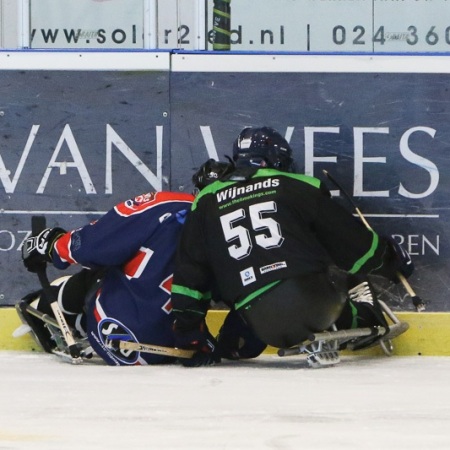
x=37, y=250
x=237, y=340
x=396, y=260
x=200, y=340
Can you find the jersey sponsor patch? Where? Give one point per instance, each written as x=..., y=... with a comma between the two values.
x=113, y=330
x=143, y=202
x=136, y=205
x=181, y=216
x=248, y=276
x=238, y=191
x=109, y=328
x=275, y=266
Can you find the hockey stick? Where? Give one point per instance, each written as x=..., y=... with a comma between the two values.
x=417, y=301
x=24, y=306
x=150, y=348
x=23, y=309
x=37, y=225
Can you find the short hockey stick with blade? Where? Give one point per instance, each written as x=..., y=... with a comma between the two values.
x=38, y=224
x=149, y=348
x=24, y=308
x=417, y=301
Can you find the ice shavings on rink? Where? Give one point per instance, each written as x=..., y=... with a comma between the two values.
x=266, y=403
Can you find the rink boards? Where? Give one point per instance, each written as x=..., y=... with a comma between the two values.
x=102, y=127
x=427, y=336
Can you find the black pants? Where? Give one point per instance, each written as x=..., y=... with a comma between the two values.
x=287, y=314
x=73, y=294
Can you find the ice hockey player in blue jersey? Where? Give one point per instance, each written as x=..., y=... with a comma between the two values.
x=125, y=284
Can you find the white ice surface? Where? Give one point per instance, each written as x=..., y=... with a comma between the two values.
x=268, y=403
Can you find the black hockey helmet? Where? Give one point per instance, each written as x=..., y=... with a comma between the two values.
x=211, y=171
x=263, y=147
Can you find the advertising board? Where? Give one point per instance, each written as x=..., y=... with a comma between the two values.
x=380, y=128
x=75, y=142
x=382, y=26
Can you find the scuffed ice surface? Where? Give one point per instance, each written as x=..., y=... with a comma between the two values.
x=267, y=403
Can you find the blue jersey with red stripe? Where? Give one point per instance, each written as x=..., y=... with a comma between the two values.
x=136, y=242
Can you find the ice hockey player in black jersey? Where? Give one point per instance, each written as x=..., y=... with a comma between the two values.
x=275, y=247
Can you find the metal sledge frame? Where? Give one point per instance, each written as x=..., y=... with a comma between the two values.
x=62, y=349
x=322, y=348
x=86, y=351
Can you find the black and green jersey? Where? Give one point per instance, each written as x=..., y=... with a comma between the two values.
x=244, y=236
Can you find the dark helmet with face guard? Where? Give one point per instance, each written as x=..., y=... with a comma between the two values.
x=211, y=171
x=263, y=147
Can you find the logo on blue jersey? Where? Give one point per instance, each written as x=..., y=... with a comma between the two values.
x=111, y=331
x=181, y=216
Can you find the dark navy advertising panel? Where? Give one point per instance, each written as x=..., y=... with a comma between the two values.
x=385, y=137
x=72, y=145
